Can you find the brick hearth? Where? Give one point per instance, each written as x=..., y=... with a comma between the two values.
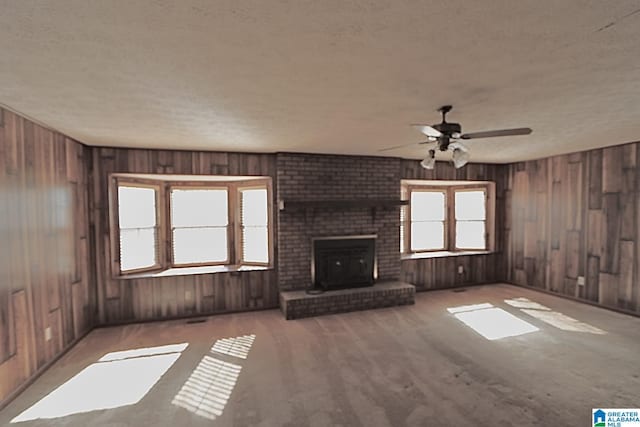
x=299, y=304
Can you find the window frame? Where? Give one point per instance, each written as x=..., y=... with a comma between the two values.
x=486, y=217
x=450, y=188
x=270, y=248
x=114, y=210
x=445, y=237
x=197, y=186
x=164, y=236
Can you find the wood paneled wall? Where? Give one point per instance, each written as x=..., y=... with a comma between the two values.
x=442, y=273
x=577, y=216
x=127, y=300
x=44, y=261
x=558, y=219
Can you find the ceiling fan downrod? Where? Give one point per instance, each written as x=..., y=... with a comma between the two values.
x=444, y=110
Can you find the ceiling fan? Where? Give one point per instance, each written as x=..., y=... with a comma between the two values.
x=448, y=135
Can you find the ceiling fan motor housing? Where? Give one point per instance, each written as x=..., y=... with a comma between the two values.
x=447, y=130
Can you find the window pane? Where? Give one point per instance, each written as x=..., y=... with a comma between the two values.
x=199, y=245
x=136, y=207
x=191, y=208
x=254, y=207
x=470, y=235
x=427, y=206
x=255, y=244
x=137, y=248
x=470, y=205
x=427, y=235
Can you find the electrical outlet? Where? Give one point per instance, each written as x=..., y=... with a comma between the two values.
x=580, y=280
x=460, y=269
x=47, y=334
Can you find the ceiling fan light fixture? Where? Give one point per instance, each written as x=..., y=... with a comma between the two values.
x=430, y=161
x=460, y=157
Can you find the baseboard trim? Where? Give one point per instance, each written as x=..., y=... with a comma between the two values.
x=22, y=387
x=182, y=317
x=455, y=286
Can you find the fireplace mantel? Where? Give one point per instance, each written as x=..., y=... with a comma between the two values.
x=337, y=204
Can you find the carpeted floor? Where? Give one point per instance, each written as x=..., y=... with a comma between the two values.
x=491, y=355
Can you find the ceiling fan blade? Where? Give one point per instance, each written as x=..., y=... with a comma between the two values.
x=396, y=147
x=428, y=130
x=494, y=133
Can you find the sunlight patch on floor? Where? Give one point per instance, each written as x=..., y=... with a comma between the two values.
x=209, y=387
x=553, y=318
x=118, y=379
x=564, y=322
x=491, y=322
x=472, y=307
x=525, y=303
x=140, y=352
x=236, y=347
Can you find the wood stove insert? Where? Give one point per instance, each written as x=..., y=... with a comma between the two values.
x=341, y=262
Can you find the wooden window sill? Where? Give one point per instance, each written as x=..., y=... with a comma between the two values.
x=442, y=254
x=191, y=271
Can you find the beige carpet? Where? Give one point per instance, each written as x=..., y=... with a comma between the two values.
x=492, y=355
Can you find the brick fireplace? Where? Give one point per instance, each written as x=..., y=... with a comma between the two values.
x=328, y=195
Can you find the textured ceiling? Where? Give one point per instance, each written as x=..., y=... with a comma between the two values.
x=330, y=76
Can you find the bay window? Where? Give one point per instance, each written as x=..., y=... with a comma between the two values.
x=163, y=223
x=447, y=216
